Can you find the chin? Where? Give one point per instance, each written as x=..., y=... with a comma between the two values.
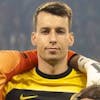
x=53, y=59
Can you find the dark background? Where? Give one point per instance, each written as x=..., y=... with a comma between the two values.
x=16, y=25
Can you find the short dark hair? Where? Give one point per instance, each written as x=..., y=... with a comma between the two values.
x=92, y=92
x=55, y=8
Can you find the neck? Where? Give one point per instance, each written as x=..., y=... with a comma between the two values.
x=51, y=68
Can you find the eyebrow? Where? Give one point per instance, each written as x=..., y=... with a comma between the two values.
x=47, y=27
x=61, y=28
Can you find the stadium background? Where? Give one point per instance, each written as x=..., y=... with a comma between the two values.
x=16, y=25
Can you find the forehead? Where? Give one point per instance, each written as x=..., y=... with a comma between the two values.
x=48, y=19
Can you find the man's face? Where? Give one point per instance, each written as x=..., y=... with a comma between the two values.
x=52, y=37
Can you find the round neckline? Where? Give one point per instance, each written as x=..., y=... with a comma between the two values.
x=54, y=76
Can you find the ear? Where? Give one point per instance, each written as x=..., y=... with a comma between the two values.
x=33, y=38
x=71, y=39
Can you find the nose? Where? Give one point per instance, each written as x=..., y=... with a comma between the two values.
x=53, y=38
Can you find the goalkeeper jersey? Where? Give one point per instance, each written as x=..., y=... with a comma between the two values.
x=35, y=85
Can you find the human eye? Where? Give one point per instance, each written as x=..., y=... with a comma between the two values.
x=45, y=31
x=60, y=31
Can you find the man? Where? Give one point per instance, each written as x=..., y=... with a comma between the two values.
x=26, y=60
x=52, y=79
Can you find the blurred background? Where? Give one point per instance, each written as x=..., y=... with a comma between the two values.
x=16, y=25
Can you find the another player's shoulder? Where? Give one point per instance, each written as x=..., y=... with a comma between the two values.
x=8, y=53
x=29, y=53
x=29, y=57
x=71, y=53
x=8, y=58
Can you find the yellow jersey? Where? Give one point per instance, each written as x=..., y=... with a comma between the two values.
x=35, y=85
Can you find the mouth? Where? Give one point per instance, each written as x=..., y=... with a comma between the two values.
x=52, y=49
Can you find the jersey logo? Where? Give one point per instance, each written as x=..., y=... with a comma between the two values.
x=22, y=97
x=22, y=94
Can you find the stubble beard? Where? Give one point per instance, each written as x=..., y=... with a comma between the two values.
x=53, y=61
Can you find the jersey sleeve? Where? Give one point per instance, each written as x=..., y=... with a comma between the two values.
x=8, y=61
x=73, y=59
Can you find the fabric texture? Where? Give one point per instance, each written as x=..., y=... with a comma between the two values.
x=35, y=84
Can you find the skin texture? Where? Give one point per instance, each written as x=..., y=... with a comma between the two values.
x=52, y=39
x=87, y=99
